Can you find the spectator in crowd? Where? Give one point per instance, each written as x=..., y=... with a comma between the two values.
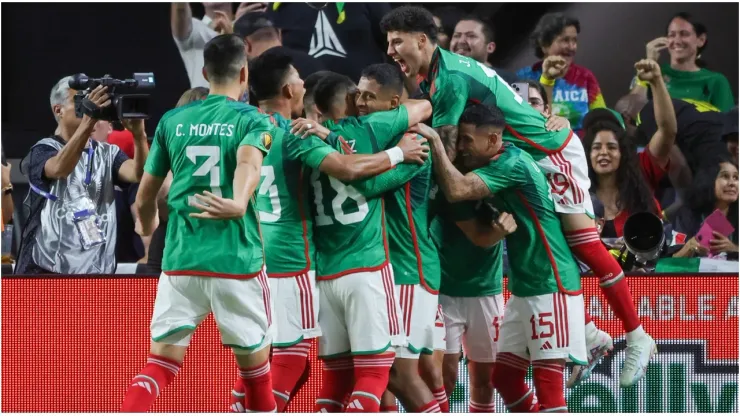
x=71, y=228
x=249, y=7
x=7, y=189
x=155, y=248
x=475, y=38
x=345, y=37
x=685, y=75
x=713, y=189
x=537, y=98
x=729, y=134
x=260, y=34
x=574, y=89
x=191, y=34
x=446, y=18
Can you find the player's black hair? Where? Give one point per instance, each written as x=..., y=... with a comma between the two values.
x=310, y=85
x=448, y=16
x=410, y=19
x=634, y=193
x=536, y=85
x=223, y=57
x=267, y=73
x=483, y=115
x=386, y=75
x=331, y=87
x=699, y=29
x=701, y=198
x=548, y=28
x=486, y=27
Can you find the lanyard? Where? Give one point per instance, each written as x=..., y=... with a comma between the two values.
x=87, y=180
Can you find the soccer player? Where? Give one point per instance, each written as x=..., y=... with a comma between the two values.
x=543, y=320
x=471, y=293
x=213, y=259
x=287, y=227
x=359, y=314
x=454, y=82
x=414, y=257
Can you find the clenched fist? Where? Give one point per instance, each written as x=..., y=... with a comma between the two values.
x=648, y=70
x=505, y=224
x=554, y=67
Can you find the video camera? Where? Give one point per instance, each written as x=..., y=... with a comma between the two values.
x=126, y=103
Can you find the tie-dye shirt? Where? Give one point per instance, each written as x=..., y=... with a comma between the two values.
x=573, y=95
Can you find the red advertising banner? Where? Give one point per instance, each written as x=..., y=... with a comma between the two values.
x=72, y=344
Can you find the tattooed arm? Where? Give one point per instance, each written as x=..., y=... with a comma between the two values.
x=456, y=186
x=448, y=135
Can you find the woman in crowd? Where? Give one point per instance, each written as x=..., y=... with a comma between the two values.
x=686, y=77
x=574, y=89
x=539, y=100
x=714, y=189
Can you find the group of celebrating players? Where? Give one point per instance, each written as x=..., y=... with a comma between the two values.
x=378, y=235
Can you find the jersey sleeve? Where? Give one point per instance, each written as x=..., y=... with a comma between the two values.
x=389, y=180
x=449, y=97
x=311, y=150
x=651, y=170
x=595, y=98
x=722, y=95
x=158, y=162
x=387, y=125
x=259, y=133
x=498, y=176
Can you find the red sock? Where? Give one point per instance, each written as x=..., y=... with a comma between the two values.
x=288, y=365
x=336, y=385
x=238, y=397
x=431, y=407
x=146, y=386
x=258, y=386
x=548, y=382
x=474, y=407
x=587, y=246
x=371, y=379
x=508, y=378
x=441, y=396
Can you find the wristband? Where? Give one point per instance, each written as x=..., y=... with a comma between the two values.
x=395, y=154
x=642, y=83
x=546, y=81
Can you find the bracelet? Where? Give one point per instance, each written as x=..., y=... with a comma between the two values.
x=546, y=81
x=642, y=83
x=395, y=154
x=8, y=189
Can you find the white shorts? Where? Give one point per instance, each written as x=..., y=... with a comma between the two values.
x=545, y=327
x=297, y=314
x=418, y=308
x=242, y=309
x=567, y=175
x=474, y=325
x=359, y=314
x=440, y=335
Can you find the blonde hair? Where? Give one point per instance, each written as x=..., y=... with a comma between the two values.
x=193, y=94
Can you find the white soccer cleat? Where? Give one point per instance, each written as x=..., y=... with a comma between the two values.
x=599, y=344
x=638, y=354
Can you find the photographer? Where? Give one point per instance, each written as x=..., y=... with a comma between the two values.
x=71, y=227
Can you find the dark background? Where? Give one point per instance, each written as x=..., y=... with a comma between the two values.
x=43, y=42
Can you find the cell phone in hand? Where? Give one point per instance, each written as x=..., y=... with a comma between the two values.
x=715, y=222
x=521, y=88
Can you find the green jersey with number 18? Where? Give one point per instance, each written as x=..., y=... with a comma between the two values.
x=349, y=229
x=198, y=143
x=539, y=257
x=283, y=203
x=455, y=81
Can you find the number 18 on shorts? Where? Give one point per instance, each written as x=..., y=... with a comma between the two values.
x=545, y=327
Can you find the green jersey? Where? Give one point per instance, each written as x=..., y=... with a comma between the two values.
x=456, y=81
x=539, y=257
x=467, y=270
x=408, y=189
x=198, y=143
x=285, y=216
x=349, y=228
x=703, y=88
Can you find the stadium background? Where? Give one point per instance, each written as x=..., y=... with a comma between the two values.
x=73, y=344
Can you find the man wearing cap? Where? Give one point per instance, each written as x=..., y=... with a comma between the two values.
x=260, y=34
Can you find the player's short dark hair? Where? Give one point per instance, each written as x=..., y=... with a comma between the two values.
x=223, y=57
x=330, y=88
x=410, y=19
x=388, y=76
x=548, y=28
x=486, y=27
x=448, y=16
x=310, y=84
x=267, y=73
x=483, y=115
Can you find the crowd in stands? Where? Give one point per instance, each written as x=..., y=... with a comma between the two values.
x=669, y=146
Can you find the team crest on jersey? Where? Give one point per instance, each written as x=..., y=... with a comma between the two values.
x=267, y=140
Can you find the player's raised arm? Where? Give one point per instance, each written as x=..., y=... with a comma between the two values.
x=456, y=186
x=449, y=97
x=417, y=110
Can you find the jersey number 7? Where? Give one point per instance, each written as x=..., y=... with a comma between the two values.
x=208, y=168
